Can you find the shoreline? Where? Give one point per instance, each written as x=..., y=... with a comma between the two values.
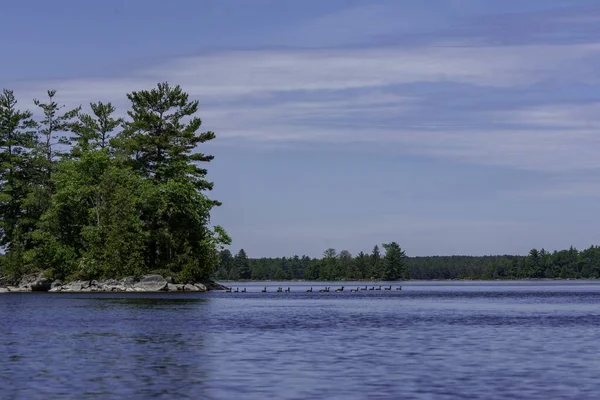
x=144, y=284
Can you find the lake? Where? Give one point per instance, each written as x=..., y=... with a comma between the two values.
x=431, y=340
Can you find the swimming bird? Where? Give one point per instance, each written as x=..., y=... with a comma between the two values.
x=340, y=289
x=236, y=290
x=228, y=290
x=399, y=288
x=364, y=288
x=287, y=290
x=372, y=288
x=244, y=290
x=379, y=288
x=264, y=290
x=388, y=288
x=323, y=290
x=355, y=290
x=279, y=290
x=309, y=290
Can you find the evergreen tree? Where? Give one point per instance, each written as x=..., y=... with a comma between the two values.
x=360, y=267
x=17, y=139
x=242, y=265
x=393, y=263
x=94, y=131
x=52, y=126
x=158, y=141
x=375, y=267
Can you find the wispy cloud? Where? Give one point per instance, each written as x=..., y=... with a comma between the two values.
x=344, y=95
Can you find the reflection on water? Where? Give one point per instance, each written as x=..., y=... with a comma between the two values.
x=525, y=340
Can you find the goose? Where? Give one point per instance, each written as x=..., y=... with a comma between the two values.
x=264, y=290
x=279, y=290
x=399, y=288
x=379, y=288
x=244, y=290
x=340, y=289
x=228, y=290
x=236, y=290
x=372, y=288
x=388, y=288
x=309, y=290
x=364, y=288
x=287, y=290
x=355, y=290
x=323, y=290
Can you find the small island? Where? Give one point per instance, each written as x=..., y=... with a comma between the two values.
x=106, y=203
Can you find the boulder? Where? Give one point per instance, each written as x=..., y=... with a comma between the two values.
x=212, y=285
x=151, y=283
x=173, y=288
x=3, y=290
x=76, y=286
x=200, y=287
x=191, y=288
x=128, y=281
x=35, y=282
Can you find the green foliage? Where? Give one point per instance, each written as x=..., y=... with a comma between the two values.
x=105, y=205
x=394, y=265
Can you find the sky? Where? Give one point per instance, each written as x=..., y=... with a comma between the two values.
x=448, y=126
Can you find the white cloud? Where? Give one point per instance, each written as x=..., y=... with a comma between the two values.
x=315, y=95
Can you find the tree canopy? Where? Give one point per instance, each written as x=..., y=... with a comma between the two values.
x=87, y=196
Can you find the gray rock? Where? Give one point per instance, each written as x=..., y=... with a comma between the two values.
x=173, y=288
x=151, y=283
x=200, y=287
x=169, y=279
x=55, y=284
x=35, y=282
x=55, y=289
x=3, y=290
x=76, y=286
x=128, y=281
x=191, y=288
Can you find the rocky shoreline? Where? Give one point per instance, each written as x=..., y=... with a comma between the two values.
x=146, y=283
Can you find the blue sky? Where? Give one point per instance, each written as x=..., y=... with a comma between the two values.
x=449, y=126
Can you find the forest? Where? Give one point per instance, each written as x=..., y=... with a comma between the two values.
x=393, y=264
x=92, y=195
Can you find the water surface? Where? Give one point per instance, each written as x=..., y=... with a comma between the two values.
x=431, y=340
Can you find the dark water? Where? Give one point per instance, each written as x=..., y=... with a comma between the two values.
x=479, y=340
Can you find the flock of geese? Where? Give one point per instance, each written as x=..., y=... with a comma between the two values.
x=326, y=290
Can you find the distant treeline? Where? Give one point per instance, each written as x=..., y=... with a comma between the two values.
x=393, y=264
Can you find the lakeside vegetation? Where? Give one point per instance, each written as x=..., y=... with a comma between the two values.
x=538, y=264
x=92, y=196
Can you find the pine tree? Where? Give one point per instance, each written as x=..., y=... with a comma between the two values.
x=160, y=141
x=375, y=267
x=242, y=265
x=94, y=131
x=394, y=266
x=17, y=139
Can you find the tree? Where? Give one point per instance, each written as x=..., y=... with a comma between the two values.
x=393, y=263
x=242, y=265
x=344, y=265
x=158, y=144
x=17, y=139
x=51, y=127
x=328, y=269
x=375, y=267
x=94, y=131
x=360, y=267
